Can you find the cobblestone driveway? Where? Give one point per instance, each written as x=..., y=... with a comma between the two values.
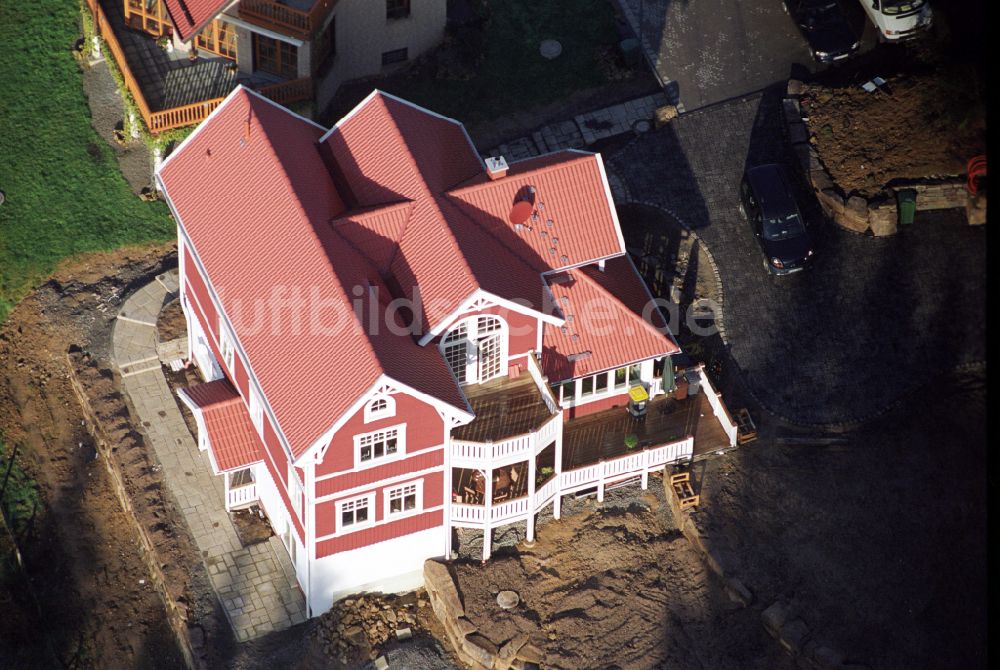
x=872, y=320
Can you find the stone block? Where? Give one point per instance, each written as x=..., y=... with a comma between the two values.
x=793, y=113
x=529, y=653
x=439, y=582
x=738, y=592
x=883, y=221
x=774, y=617
x=826, y=658
x=480, y=649
x=975, y=210
x=797, y=132
x=795, y=88
x=820, y=179
x=793, y=635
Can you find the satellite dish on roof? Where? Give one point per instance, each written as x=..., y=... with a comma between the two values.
x=520, y=212
x=524, y=205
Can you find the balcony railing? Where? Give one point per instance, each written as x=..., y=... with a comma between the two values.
x=241, y=496
x=287, y=92
x=598, y=475
x=156, y=122
x=721, y=413
x=269, y=13
x=505, y=452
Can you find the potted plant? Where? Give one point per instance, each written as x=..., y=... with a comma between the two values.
x=631, y=441
x=543, y=474
x=193, y=54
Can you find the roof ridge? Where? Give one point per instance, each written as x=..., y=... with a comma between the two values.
x=470, y=188
x=315, y=238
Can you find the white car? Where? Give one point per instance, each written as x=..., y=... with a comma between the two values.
x=898, y=19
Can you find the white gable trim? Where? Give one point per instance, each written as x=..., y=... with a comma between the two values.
x=611, y=201
x=199, y=419
x=357, y=108
x=317, y=450
x=480, y=296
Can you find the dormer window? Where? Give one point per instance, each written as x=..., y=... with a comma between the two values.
x=382, y=407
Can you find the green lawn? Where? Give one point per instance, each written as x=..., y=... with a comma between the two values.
x=513, y=75
x=64, y=192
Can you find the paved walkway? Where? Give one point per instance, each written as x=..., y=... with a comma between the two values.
x=873, y=319
x=256, y=584
x=583, y=129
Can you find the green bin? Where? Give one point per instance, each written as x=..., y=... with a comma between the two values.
x=906, y=199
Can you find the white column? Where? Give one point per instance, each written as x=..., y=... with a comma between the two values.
x=600, y=484
x=557, y=501
x=448, y=492
x=226, y=479
x=488, y=516
x=531, y=494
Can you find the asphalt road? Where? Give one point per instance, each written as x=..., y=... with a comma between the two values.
x=714, y=50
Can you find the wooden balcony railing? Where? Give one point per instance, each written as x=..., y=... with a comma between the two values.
x=287, y=92
x=301, y=23
x=156, y=122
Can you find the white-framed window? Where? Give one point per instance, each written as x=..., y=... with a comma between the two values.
x=226, y=346
x=404, y=499
x=356, y=513
x=256, y=411
x=476, y=349
x=379, y=446
x=382, y=407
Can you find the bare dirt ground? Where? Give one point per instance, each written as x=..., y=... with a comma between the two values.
x=880, y=542
x=928, y=120
x=99, y=606
x=616, y=586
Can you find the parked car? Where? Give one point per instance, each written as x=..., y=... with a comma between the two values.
x=825, y=28
x=767, y=203
x=898, y=19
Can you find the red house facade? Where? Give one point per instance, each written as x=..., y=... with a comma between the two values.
x=399, y=337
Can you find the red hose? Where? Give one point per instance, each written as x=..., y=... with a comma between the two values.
x=975, y=168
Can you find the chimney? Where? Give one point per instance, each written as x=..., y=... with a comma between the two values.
x=496, y=167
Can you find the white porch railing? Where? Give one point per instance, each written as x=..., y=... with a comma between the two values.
x=497, y=454
x=544, y=495
x=570, y=481
x=241, y=496
x=536, y=373
x=624, y=467
x=475, y=515
x=721, y=414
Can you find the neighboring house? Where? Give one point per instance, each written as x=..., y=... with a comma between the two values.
x=293, y=51
x=517, y=328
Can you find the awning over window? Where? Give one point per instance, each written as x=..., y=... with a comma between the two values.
x=233, y=442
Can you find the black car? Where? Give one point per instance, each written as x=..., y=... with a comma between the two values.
x=767, y=203
x=825, y=28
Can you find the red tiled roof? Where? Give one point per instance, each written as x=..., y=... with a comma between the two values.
x=256, y=207
x=604, y=327
x=189, y=16
x=574, y=216
x=391, y=199
x=232, y=437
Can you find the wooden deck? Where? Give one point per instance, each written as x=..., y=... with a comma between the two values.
x=601, y=436
x=504, y=408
